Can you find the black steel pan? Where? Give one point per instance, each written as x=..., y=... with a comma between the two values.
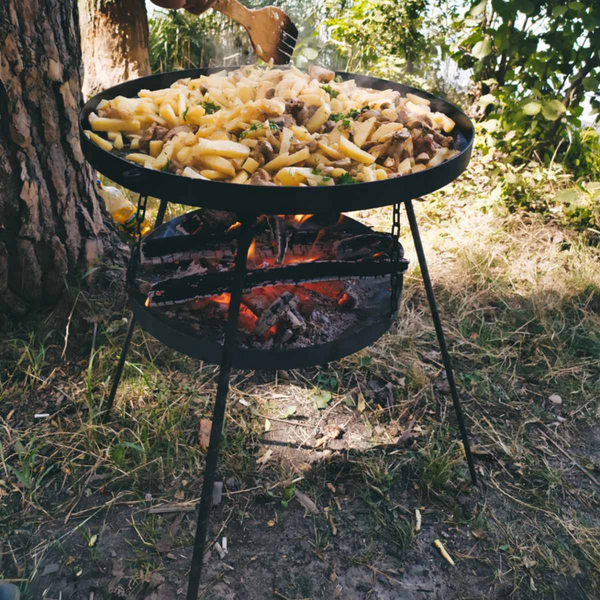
x=274, y=200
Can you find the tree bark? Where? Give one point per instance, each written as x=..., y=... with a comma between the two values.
x=51, y=220
x=115, y=42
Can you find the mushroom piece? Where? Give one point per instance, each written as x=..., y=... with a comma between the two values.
x=270, y=93
x=283, y=121
x=368, y=114
x=154, y=132
x=180, y=129
x=422, y=158
x=297, y=109
x=342, y=163
x=425, y=145
x=321, y=74
x=261, y=177
x=262, y=153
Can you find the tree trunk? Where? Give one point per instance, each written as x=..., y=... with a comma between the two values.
x=115, y=42
x=51, y=220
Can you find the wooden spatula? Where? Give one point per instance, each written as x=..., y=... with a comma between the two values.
x=272, y=32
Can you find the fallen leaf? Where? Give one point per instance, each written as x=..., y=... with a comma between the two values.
x=332, y=432
x=93, y=541
x=307, y=503
x=50, y=569
x=360, y=407
x=271, y=523
x=331, y=487
x=205, y=427
x=267, y=425
x=288, y=412
x=555, y=399
x=321, y=399
x=265, y=457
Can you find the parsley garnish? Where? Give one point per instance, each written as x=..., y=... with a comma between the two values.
x=326, y=178
x=185, y=112
x=346, y=178
x=332, y=93
x=210, y=107
x=253, y=127
x=365, y=108
x=336, y=117
x=273, y=126
x=345, y=123
x=352, y=114
x=316, y=171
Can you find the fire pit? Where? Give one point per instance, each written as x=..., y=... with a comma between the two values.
x=270, y=277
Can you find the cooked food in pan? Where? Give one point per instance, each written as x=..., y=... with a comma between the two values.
x=275, y=127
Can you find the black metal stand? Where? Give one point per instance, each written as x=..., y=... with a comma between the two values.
x=160, y=215
x=216, y=430
x=229, y=344
x=410, y=212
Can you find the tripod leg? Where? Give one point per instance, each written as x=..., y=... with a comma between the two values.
x=219, y=411
x=113, y=390
x=440, y=337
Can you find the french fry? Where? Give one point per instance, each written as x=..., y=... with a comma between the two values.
x=386, y=129
x=241, y=177
x=319, y=118
x=218, y=163
x=139, y=158
x=286, y=160
x=354, y=152
x=210, y=174
x=100, y=141
x=443, y=552
x=155, y=148
x=250, y=165
x=292, y=175
x=118, y=143
x=105, y=124
x=224, y=148
x=363, y=130
x=329, y=151
x=189, y=172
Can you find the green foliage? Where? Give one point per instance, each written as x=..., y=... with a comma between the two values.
x=532, y=62
x=382, y=37
x=180, y=40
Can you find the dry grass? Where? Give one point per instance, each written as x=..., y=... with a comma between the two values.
x=520, y=301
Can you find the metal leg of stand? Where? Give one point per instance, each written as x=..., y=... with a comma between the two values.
x=220, y=402
x=440, y=337
x=160, y=215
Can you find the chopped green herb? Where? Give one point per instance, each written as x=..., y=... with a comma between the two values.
x=352, y=114
x=210, y=107
x=253, y=127
x=345, y=123
x=326, y=178
x=346, y=178
x=338, y=79
x=336, y=117
x=365, y=108
x=332, y=93
x=316, y=171
x=185, y=112
x=273, y=126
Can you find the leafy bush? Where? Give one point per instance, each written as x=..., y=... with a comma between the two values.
x=533, y=62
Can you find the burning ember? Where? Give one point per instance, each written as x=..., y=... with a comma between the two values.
x=302, y=272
